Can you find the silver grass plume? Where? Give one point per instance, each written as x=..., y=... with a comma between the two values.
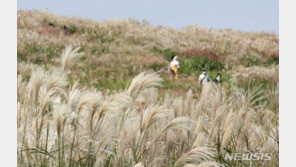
x=196, y=156
x=68, y=55
x=141, y=82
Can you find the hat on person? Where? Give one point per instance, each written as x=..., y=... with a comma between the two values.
x=172, y=57
x=204, y=70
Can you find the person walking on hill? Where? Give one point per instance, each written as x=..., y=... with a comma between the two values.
x=174, y=66
x=203, y=78
x=218, y=79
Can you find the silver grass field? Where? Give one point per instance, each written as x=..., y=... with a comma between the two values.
x=61, y=122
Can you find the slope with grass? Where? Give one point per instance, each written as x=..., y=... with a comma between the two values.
x=88, y=94
x=115, y=51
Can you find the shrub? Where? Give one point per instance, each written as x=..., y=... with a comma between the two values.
x=201, y=52
x=71, y=29
x=273, y=60
x=167, y=53
x=196, y=63
x=250, y=61
x=157, y=66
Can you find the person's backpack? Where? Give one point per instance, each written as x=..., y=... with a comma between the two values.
x=206, y=76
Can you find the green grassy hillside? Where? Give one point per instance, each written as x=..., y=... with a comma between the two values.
x=115, y=51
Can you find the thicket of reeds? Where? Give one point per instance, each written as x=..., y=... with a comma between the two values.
x=62, y=124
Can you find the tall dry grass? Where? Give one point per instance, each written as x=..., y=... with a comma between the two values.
x=60, y=124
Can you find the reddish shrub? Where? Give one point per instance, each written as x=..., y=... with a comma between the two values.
x=267, y=53
x=201, y=52
x=272, y=53
x=151, y=60
x=49, y=30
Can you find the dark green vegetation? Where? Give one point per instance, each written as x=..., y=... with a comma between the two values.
x=195, y=64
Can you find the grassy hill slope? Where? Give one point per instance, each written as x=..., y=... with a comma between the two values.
x=117, y=50
x=98, y=109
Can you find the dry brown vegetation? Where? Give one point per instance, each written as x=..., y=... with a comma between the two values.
x=68, y=125
x=88, y=94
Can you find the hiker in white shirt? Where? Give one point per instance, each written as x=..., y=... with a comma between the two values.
x=174, y=66
x=203, y=78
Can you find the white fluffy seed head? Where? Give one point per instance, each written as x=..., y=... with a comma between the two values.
x=68, y=55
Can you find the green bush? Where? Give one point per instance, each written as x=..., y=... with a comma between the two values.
x=249, y=61
x=273, y=60
x=167, y=53
x=157, y=66
x=71, y=29
x=196, y=63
